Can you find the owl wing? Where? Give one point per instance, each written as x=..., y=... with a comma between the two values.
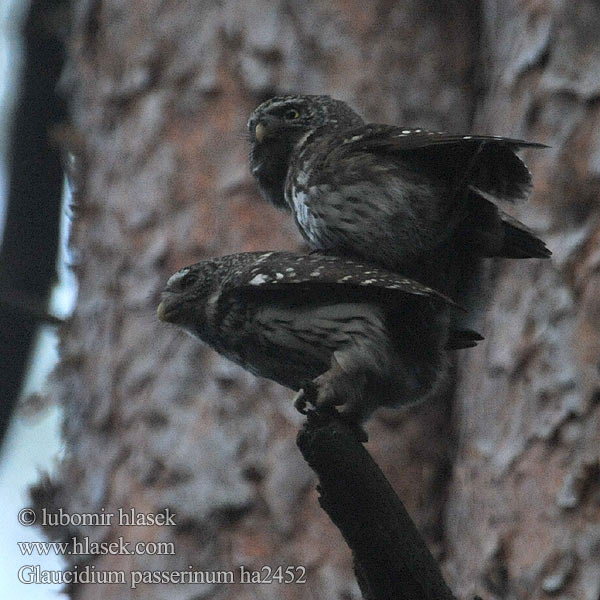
x=324, y=278
x=487, y=164
x=301, y=280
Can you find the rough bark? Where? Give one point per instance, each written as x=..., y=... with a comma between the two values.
x=523, y=511
x=160, y=94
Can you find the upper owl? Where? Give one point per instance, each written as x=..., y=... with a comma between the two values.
x=415, y=201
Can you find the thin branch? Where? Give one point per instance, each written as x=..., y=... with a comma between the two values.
x=391, y=559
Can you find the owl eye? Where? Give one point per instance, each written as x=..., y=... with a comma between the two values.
x=188, y=280
x=291, y=114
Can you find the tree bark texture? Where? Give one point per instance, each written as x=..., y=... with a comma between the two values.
x=522, y=517
x=501, y=476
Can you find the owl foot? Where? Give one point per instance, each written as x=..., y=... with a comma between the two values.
x=320, y=393
x=308, y=394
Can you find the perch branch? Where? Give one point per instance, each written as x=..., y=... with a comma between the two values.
x=391, y=559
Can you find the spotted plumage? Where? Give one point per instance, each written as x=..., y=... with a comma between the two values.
x=354, y=334
x=417, y=202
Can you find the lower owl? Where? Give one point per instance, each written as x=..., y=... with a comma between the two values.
x=340, y=332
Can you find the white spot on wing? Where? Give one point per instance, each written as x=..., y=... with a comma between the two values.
x=258, y=279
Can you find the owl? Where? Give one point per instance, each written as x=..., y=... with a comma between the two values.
x=417, y=202
x=339, y=331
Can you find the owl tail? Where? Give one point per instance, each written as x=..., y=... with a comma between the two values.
x=519, y=242
x=490, y=232
x=462, y=338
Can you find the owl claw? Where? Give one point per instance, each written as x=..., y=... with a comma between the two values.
x=300, y=403
x=308, y=394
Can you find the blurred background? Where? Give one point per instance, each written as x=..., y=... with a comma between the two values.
x=35, y=285
x=143, y=110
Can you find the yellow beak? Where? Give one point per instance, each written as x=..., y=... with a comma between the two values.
x=259, y=132
x=160, y=311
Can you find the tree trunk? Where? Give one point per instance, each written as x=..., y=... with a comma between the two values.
x=522, y=517
x=502, y=479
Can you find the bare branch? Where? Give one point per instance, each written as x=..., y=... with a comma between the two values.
x=391, y=559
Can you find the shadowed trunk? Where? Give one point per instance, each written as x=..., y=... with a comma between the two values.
x=30, y=234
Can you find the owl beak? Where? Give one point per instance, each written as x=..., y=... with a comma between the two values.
x=259, y=132
x=168, y=311
x=161, y=311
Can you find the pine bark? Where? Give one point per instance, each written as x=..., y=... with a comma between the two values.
x=501, y=476
x=522, y=513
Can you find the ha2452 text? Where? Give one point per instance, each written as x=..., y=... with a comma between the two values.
x=268, y=574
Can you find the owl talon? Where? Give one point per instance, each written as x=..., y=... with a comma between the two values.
x=308, y=394
x=300, y=403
